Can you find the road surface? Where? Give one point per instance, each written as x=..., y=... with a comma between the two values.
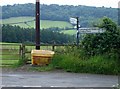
x=57, y=79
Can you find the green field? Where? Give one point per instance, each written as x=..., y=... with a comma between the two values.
x=20, y=21
x=44, y=23
x=69, y=32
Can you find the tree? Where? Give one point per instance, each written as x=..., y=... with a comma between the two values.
x=23, y=35
x=107, y=42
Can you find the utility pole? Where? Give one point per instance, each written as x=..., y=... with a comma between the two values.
x=77, y=31
x=37, y=25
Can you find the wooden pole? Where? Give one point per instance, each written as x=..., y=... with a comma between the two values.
x=77, y=31
x=37, y=25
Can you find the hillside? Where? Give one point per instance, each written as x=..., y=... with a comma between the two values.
x=60, y=12
x=22, y=22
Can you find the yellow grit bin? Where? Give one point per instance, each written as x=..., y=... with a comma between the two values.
x=41, y=57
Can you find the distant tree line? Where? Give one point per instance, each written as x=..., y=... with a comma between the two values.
x=60, y=12
x=27, y=35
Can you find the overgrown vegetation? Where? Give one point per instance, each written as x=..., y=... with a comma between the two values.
x=107, y=42
x=20, y=63
x=97, y=64
x=97, y=53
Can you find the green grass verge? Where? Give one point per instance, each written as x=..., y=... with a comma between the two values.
x=97, y=64
x=41, y=68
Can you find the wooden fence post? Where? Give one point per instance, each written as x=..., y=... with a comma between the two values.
x=22, y=51
x=53, y=47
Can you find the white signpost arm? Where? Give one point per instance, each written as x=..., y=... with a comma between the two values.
x=91, y=30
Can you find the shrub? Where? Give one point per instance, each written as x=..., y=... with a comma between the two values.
x=107, y=42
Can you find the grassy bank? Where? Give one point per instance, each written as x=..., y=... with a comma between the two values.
x=74, y=62
x=97, y=64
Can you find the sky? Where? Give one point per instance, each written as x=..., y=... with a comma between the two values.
x=97, y=3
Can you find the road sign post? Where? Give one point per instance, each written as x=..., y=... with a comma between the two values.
x=75, y=20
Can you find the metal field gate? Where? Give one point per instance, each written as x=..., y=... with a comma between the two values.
x=9, y=54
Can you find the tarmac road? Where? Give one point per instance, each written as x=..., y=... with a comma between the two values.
x=57, y=79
